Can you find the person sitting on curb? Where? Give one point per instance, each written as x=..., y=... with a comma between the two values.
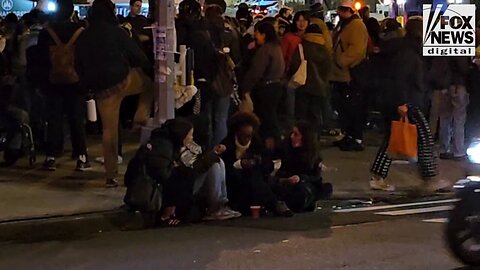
x=246, y=168
x=298, y=181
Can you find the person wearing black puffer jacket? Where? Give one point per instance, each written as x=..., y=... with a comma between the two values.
x=110, y=64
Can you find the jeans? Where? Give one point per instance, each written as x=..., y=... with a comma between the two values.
x=453, y=116
x=289, y=109
x=216, y=109
x=351, y=109
x=65, y=101
x=212, y=185
x=109, y=108
x=435, y=110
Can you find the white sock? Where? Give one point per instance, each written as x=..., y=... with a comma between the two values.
x=358, y=141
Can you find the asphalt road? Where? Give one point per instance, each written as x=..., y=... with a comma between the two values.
x=384, y=237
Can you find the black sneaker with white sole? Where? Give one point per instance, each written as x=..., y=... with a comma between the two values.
x=49, y=164
x=82, y=164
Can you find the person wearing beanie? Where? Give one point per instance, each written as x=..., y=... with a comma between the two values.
x=220, y=3
x=111, y=64
x=350, y=42
x=406, y=96
x=61, y=99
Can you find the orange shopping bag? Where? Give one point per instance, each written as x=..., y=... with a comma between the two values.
x=403, y=140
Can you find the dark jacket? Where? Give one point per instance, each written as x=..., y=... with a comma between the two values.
x=64, y=31
x=403, y=73
x=105, y=54
x=460, y=67
x=438, y=72
x=319, y=65
x=267, y=66
x=255, y=151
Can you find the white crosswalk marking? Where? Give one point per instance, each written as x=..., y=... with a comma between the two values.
x=416, y=211
x=436, y=220
x=383, y=207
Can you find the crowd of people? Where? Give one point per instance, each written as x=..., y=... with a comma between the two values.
x=255, y=143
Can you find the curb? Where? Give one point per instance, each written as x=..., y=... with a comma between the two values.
x=68, y=227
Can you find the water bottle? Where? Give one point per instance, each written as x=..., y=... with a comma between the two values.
x=91, y=110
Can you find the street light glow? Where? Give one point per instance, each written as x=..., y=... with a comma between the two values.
x=51, y=6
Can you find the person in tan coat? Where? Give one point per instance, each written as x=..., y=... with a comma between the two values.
x=350, y=41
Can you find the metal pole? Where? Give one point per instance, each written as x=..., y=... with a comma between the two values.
x=164, y=62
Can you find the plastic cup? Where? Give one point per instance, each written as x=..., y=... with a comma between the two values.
x=255, y=209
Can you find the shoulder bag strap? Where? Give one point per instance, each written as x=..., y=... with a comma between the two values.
x=300, y=49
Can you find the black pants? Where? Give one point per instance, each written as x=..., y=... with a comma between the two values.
x=427, y=161
x=178, y=191
x=265, y=103
x=58, y=104
x=309, y=108
x=351, y=109
x=248, y=187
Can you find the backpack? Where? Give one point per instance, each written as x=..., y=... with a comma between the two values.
x=62, y=58
x=224, y=79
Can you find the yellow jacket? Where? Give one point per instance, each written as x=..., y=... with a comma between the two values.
x=349, y=49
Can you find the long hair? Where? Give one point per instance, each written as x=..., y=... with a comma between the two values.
x=269, y=31
x=310, y=146
x=297, y=16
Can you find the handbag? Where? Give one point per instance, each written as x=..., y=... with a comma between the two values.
x=403, y=140
x=300, y=77
x=143, y=192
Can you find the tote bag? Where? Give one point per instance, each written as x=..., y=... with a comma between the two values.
x=300, y=77
x=403, y=140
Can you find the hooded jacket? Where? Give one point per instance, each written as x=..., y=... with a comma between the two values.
x=104, y=53
x=327, y=37
x=350, y=47
x=319, y=64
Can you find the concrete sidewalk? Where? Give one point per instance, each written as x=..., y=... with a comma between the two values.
x=31, y=194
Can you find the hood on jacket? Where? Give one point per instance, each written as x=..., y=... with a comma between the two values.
x=102, y=11
x=315, y=38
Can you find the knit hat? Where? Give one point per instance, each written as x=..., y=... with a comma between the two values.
x=347, y=3
x=178, y=128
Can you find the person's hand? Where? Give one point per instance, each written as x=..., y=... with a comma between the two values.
x=294, y=179
x=248, y=163
x=402, y=110
x=219, y=149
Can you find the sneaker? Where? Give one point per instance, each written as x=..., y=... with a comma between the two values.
x=438, y=185
x=379, y=184
x=111, y=183
x=222, y=214
x=49, y=164
x=341, y=142
x=82, y=164
x=351, y=146
x=233, y=212
x=101, y=160
x=281, y=209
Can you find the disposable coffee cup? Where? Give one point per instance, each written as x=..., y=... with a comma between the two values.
x=91, y=110
x=255, y=209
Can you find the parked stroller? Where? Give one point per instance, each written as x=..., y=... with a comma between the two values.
x=16, y=140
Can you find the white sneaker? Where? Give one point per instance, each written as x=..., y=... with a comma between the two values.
x=222, y=214
x=379, y=184
x=233, y=212
x=101, y=160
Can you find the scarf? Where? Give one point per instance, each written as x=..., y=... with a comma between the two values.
x=240, y=149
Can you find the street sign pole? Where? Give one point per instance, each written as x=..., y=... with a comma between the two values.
x=164, y=61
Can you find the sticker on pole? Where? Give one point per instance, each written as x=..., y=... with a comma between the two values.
x=449, y=30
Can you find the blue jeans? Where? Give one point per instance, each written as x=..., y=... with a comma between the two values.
x=212, y=185
x=216, y=108
x=453, y=115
